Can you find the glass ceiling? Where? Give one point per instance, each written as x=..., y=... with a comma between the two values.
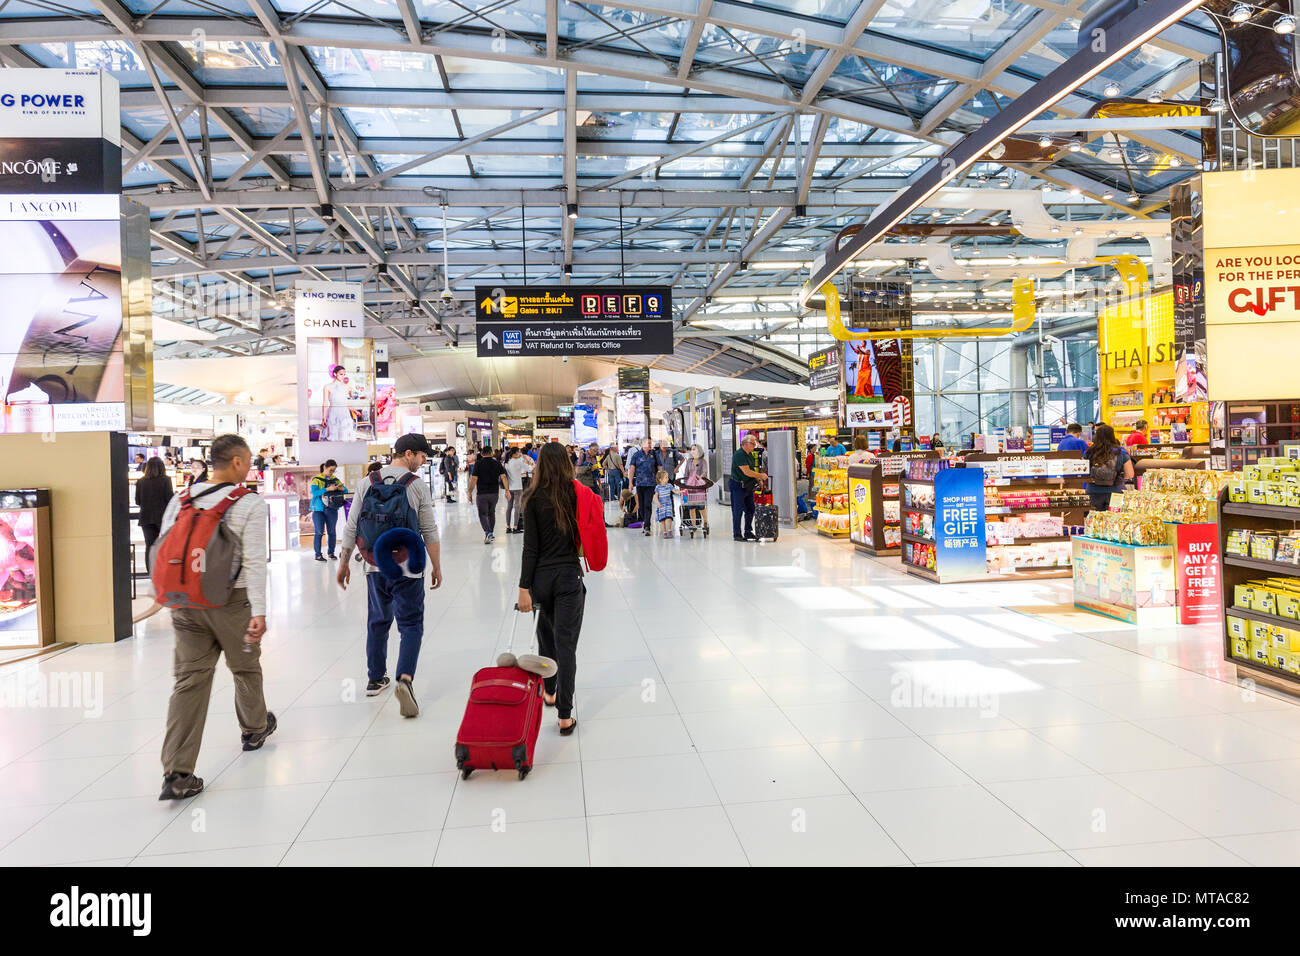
x=681, y=124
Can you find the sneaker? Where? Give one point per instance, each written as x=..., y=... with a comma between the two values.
x=406, y=698
x=751, y=537
x=255, y=741
x=376, y=687
x=334, y=557
x=487, y=539
x=178, y=786
x=319, y=558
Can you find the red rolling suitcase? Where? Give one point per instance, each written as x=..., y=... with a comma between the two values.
x=502, y=718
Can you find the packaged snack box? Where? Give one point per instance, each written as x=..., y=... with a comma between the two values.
x=1240, y=647
x=1237, y=628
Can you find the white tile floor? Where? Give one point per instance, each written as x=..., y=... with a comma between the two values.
x=788, y=703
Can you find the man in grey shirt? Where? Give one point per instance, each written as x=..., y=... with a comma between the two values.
x=402, y=599
x=236, y=629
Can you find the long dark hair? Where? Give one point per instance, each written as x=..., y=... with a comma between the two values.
x=1103, y=440
x=153, y=468
x=553, y=479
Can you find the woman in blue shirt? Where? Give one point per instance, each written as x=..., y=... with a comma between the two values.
x=326, y=498
x=1109, y=466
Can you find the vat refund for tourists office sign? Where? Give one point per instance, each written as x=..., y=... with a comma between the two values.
x=573, y=320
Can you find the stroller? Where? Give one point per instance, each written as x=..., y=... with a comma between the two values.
x=694, y=511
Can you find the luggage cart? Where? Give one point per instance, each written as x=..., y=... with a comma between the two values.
x=693, y=519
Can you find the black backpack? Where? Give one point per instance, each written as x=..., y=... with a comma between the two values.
x=1105, y=474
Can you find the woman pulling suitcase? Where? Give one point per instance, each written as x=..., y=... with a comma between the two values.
x=551, y=577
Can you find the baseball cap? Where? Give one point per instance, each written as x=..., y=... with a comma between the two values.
x=411, y=443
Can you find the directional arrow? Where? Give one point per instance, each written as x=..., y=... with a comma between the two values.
x=488, y=339
x=486, y=304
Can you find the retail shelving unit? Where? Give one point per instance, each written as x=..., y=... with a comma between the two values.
x=1239, y=569
x=1048, y=493
x=1244, y=432
x=832, y=500
x=875, y=520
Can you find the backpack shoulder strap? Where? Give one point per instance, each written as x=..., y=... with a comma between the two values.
x=237, y=492
x=406, y=479
x=375, y=479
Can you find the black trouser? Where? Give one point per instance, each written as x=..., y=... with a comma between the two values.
x=1100, y=500
x=644, y=498
x=514, y=513
x=742, y=506
x=559, y=595
x=487, y=512
x=150, y=536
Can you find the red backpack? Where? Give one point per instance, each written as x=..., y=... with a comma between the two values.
x=196, y=562
x=593, y=546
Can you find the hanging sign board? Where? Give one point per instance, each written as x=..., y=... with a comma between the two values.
x=573, y=320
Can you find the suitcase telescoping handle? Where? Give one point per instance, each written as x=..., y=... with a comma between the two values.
x=514, y=619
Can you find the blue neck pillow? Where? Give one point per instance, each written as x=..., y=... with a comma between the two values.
x=399, y=553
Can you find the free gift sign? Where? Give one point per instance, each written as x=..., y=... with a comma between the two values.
x=1253, y=284
x=959, y=523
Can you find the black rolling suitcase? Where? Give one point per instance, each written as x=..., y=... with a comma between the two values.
x=765, y=522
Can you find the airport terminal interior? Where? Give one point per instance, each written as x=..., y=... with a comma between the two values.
x=669, y=433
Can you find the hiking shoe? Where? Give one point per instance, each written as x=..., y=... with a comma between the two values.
x=376, y=687
x=254, y=741
x=406, y=704
x=178, y=786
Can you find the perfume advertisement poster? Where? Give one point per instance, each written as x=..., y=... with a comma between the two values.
x=19, y=624
x=340, y=390
x=61, y=348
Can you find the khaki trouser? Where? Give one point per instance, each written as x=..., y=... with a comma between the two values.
x=202, y=635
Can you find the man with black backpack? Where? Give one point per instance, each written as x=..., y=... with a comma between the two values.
x=393, y=497
x=209, y=567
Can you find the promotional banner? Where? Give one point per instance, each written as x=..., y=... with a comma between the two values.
x=1196, y=561
x=1252, y=282
x=573, y=320
x=585, y=424
x=385, y=406
x=959, y=523
x=1190, y=376
x=336, y=380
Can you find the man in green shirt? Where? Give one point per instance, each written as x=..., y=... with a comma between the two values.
x=742, y=483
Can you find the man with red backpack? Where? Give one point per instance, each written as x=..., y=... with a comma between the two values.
x=209, y=567
x=391, y=498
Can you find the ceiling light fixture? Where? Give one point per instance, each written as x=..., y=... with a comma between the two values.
x=1239, y=13
x=1075, y=145
x=571, y=210
x=1112, y=90
x=1045, y=142
x=1107, y=195
x=1284, y=24
x=1174, y=162
x=1134, y=199
x=1155, y=96
x=1217, y=105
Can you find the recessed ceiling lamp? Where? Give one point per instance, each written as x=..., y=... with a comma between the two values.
x=1134, y=199
x=1284, y=24
x=1155, y=96
x=1056, y=229
x=1078, y=231
x=1112, y=89
x=1239, y=13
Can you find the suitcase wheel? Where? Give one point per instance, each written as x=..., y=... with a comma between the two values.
x=523, y=772
x=465, y=772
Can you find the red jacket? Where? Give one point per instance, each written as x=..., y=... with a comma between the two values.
x=1136, y=438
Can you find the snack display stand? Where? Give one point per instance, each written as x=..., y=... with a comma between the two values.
x=1176, y=509
x=1130, y=582
x=1035, y=504
x=875, y=520
x=1259, y=543
x=832, y=485
x=942, y=512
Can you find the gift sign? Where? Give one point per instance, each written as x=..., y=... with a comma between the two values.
x=1200, y=583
